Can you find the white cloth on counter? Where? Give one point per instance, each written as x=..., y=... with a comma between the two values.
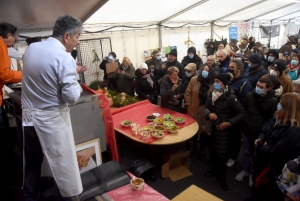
x=14, y=54
x=49, y=77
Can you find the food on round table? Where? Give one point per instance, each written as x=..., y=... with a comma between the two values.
x=157, y=134
x=160, y=127
x=151, y=117
x=172, y=129
x=158, y=120
x=179, y=120
x=137, y=184
x=126, y=123
x=148, y=128
x=169, y=123
x=152, y=124
x=168, y=117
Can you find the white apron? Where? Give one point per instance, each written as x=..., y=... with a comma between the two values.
x=54, y=131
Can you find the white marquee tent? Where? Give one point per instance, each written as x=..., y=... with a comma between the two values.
x=137, y=25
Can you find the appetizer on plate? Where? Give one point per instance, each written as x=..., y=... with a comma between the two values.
x=148, y=128
x=160, y=127
x=179, y=120
x=169, y=123
x=157, y=134
x=126, y=123
x=151, y=117
x=158, y=120
x=173, y=129
x=168, y=117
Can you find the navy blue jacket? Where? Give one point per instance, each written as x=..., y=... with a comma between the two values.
x=241, y=87
x=256, y=73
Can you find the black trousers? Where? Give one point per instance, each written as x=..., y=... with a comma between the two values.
x=33, y=162
x=235, y=144
x=218, y=164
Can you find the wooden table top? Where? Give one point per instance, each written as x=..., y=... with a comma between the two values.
x=182, y=135
x=193, y=193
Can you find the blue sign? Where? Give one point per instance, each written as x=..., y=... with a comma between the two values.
x=233, y=33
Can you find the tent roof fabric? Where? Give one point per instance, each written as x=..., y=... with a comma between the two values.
x=137, y=11
x=38, y=15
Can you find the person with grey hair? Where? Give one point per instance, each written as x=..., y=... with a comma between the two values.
x=210, y=62
x=156, y=58
x=49, y=85
x=296, y=86
x=223, y=60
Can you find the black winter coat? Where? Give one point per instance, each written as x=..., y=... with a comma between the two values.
x=163, y=72
x=166, y=93
x=259, y=110
x=196, y=60
x=283, y=144
x=143, y=88
x=228, y=109
x=256, y=73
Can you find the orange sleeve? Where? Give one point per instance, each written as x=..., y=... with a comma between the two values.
x=6, y=74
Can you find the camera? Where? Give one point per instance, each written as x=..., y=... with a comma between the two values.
x=121, y=68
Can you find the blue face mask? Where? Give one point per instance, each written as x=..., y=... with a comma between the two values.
x=217, y=86
x=294, y=62
x=259, y=91
x=279, y=106
x=158, y=57
x=191, y=56
x=249, y=65
x=188, y=74
x=204, y=74
x=110, y=58
x=271, y=59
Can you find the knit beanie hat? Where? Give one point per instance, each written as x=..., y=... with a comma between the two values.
x=223, y=77
x=254, y=58
x=173, y=52
x=280, y=66
x=143, y=66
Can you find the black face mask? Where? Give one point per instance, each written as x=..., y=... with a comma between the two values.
x=231, y=71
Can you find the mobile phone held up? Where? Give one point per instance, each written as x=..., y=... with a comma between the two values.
x=121, y=68
x=286, y=53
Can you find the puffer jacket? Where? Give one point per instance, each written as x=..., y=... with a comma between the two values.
x=283, y=144
x=256, y=73
x=259, y=110
x=196, y=59
x=124, y=82
x=228, y=109
x=166, y=93
x=241, y=87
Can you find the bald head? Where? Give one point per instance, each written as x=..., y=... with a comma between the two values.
x=210, y=60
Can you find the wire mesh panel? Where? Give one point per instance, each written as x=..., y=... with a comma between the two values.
x=91, y=53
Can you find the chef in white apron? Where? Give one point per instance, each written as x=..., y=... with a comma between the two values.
x=49, y=85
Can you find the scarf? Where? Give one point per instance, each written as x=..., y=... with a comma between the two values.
x=149, y=80
x=203, y=89
x=215, y=95
x=172, y=80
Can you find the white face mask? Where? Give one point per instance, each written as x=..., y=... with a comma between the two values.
x=273, y=72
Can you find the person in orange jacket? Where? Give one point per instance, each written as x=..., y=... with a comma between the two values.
x=8, y=37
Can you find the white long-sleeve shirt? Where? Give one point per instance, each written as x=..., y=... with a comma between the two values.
x=15, y=54
x=49, y=77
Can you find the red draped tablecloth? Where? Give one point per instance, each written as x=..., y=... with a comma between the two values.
x=139, y=111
